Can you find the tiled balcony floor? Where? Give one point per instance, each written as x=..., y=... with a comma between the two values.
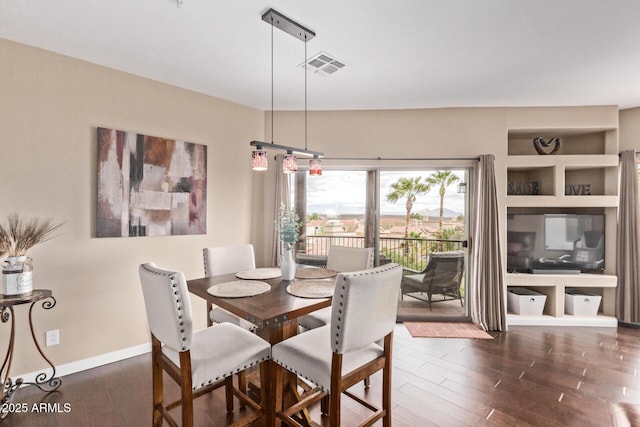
x=411, y=308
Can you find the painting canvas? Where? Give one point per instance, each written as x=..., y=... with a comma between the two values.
x=150, y=186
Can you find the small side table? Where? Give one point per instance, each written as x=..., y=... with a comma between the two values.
x=42, y=380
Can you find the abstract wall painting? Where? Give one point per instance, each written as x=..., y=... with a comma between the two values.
x=150, y=186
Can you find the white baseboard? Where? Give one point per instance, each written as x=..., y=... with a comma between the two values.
x=89, y=363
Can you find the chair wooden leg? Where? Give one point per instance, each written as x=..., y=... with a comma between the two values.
x=187, y=391
x=157, y=382
x=228, y=390
x=386, y=381
x=324, y=405
x=336, y=390
x=242, y=385
x=334, y=409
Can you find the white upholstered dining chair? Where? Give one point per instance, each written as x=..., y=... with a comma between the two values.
x=224, y=260
x=337, y=356
x=340, y=259
x=345, y=258
x=201, y=361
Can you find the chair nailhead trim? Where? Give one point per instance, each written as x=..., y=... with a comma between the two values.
x=255, y=362
x=206, y=269
x=337, y=342
x=340, y=302
x=177, y=299
x=290, y=369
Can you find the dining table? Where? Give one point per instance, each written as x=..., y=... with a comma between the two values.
x=275, y=312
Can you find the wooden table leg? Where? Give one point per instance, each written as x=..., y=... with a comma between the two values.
x=273, y=394
x=281, y=384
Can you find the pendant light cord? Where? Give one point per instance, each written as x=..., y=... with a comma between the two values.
x=272, y=80
x=276, y=19
x=305, y=91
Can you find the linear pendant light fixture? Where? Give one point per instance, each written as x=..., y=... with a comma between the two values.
x=259, y=154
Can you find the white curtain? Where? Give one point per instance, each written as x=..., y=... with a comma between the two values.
x=628, y=259
x=282, y=195
x=487, y=275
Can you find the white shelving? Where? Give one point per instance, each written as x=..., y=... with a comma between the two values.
x=563, y=202
x=580, y=177
x=553, y=286
x=558, y=173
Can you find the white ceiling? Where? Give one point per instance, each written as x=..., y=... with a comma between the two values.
x=399, y=54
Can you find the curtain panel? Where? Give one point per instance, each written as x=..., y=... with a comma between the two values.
x=488, y=303
x=628, y=239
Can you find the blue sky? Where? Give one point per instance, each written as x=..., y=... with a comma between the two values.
x=343, y=192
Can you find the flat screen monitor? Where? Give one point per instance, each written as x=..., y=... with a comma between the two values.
x=563, y=231
x=555, y=241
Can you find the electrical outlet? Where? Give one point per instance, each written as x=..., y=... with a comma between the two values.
x=52, y=337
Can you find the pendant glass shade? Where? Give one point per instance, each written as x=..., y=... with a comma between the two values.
x=289, y=164
x=315, y=166
x=259, y=160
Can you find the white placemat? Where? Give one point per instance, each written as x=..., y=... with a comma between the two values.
x=312, y=288
x=315, y=273
x=239, y=289
x=259, y=274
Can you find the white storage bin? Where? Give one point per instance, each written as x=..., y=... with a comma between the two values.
x=525, y=301
x=580, y=303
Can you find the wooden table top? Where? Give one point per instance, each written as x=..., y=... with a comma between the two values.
x=269, y=309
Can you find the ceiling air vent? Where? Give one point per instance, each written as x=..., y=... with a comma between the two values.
x=323, y=64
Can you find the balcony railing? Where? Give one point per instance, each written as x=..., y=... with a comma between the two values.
x=411, y=253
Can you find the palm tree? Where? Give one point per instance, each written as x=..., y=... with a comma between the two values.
x=451, y=233
x=443, y=179
x=408, y=188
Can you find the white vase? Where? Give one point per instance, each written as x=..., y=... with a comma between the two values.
x=287, y=266
x=17, y=275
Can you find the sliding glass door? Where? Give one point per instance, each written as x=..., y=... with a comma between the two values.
x=407, y=216
x=423, y=217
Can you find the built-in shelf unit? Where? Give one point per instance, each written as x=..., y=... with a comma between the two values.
x=581, y=177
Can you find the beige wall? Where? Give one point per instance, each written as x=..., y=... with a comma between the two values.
x=454, y=132
x=50, y=106
x=446, y=132
x=429, y=133
x=630, y=129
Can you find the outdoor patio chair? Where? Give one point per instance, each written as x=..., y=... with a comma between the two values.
x=442, y=277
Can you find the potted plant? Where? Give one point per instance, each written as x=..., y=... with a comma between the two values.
x=289, y=227
x=17, y=237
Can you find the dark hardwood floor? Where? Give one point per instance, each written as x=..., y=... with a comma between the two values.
x=541, y=376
